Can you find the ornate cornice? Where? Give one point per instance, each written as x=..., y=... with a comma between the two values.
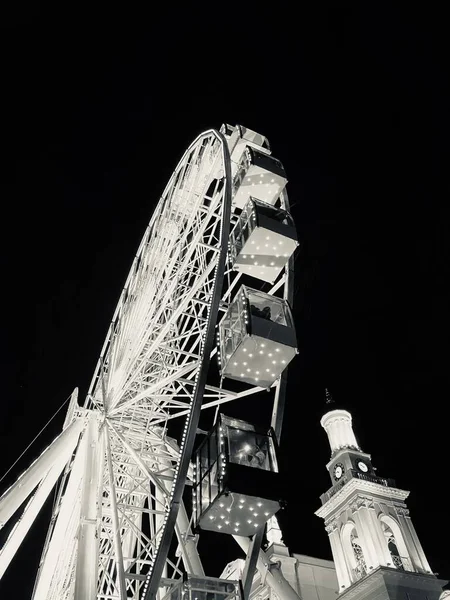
x=367, y=490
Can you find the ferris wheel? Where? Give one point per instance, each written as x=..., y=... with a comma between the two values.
x=203, y=320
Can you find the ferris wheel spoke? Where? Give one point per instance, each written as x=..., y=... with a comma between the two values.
x=154, y=388
x=222, y=398
x=184, y=304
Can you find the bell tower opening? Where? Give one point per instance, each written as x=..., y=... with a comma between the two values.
x=361, y=568
x=395, y=543
x=353, y=551
x=396, y=558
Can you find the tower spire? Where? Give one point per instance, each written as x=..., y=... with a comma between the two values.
x=328, y=397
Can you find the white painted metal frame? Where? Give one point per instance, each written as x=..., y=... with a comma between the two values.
x=121, y=495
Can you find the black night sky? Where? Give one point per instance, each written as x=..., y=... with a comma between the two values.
x=100, y=102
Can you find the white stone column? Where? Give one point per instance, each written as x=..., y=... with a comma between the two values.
x=384, y=556
x=362, y=522
x=340, y=564
x=412, y=542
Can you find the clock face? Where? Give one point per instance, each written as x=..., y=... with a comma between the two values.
x=338, y=471
x=362, y=466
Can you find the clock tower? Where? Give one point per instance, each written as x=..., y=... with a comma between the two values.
x=375, y=547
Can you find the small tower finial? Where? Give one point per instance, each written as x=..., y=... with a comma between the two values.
x=328, y=397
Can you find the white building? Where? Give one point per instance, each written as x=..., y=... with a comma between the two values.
x=377, y=554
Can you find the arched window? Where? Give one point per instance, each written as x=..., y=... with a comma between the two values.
x=395, y=543
x=360, y=569
x=354, y=555
x=396, y=558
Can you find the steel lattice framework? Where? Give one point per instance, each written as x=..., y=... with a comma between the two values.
x=122, y=460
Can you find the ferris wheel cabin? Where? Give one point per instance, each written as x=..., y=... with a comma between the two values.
x=228, y=497
x=192, y=587
x=256, y=338
x=262, y=241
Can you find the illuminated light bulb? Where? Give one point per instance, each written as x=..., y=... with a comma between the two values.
x=235, y=364
x=255, y=524
x=259, y=503
x=237, y=524
x=273, y=374
x=252, y=256
x=256, y=378
x=248, y=179
x=244, y=256
x=267, y=370
x=284, y=362
x=237, y=529
x=277, y=349
x=266, y=514
x=261, y=351
x=219, y=526
x=257, y=372
x=255, y=514
x=257, y=247
x=263, y=345
x=222, y=516
x=211, y=517
x=274, y=362
x=274, y=247
x=256, y=264
x=228, y=509
x=242, y=500
x=227, y=522
x=245, y=364
x=252, y=242
x=247, y=448
x=242, y=375
x=272, y=264
x=249, y=521
x=270, y=354
x=250, y=355
x=250, y=508
x=221, y=505
x=244, y=349
x=248, y=370
x=240, y=506
x=272, y=180
x=268, y=237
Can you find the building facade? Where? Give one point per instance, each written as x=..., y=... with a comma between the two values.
x=377, y=554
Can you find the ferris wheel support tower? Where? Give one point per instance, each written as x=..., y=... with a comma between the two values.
x=123, y=460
